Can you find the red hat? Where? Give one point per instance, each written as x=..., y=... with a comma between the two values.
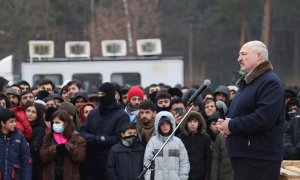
x=135, y=91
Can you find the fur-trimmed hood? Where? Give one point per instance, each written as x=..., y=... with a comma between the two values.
x=257, y=71
x=193, y=115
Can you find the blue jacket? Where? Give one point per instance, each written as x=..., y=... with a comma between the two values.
x=257, y=116
x=15, y=157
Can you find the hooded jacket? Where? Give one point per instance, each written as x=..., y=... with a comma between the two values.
x=257, y=116
x=197, y=146
x=172, y=162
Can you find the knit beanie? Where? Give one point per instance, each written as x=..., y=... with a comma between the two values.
x=135, y=91
x=13, y=92
x=70, y=108
x=110, y=92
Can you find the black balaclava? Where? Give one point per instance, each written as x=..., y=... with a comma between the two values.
x=152, y=96
x=158, y=109
x=110, y=92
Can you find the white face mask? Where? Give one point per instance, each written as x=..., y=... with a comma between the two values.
x=58, y=128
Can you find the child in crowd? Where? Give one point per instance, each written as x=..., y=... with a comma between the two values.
x=15, y=158
x=197, y=144
x=125, y=159
x=172, y=162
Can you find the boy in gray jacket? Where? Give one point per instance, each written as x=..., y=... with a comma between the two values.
x=172, y=162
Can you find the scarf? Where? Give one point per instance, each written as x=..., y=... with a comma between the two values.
x=145, y=131
x=59, y=139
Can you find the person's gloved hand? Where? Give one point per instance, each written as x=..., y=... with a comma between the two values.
x=100, y=139
x=61, y=149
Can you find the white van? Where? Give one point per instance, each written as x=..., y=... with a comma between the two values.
x=93, y=72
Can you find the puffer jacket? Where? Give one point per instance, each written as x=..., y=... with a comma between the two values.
x=15, y=151
x=172, y=162
x=22, y=122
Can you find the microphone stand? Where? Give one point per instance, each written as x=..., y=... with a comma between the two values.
x=151, y=165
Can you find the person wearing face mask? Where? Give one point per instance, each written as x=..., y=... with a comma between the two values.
x=102, y=130
x=63, y=149
x=163, y=101
x=125, y=159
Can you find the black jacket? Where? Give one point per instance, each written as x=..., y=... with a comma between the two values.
x=35, y=143
x=199, y=152
x=291, y=139
x=102, y=130
x=125, y=163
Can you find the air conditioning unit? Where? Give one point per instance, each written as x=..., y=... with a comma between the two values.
x=77, y=49
x=41, y=49
x=113, y=48
x=148, y=47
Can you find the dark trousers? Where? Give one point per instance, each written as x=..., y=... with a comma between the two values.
x=253, y=169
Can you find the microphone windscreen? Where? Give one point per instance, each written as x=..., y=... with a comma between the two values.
x=207, y=82
x=221, y=105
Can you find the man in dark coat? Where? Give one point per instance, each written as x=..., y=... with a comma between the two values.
x=102, y=130
x=254, y=127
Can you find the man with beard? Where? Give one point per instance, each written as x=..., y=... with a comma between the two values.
x=134, y=98
x=102, y=130
x=163, y=101
x=145, y=123
x=26, y=97
x=22, y=122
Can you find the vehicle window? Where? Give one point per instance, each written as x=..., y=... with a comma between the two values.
x=57, y=79
x=126, y=78
x=90, y=81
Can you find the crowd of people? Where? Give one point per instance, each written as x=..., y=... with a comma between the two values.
x=70, y=134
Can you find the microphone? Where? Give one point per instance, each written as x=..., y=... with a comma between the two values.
x=220, y=108
x=199, y=91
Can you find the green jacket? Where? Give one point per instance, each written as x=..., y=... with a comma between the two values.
x=221, y=165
